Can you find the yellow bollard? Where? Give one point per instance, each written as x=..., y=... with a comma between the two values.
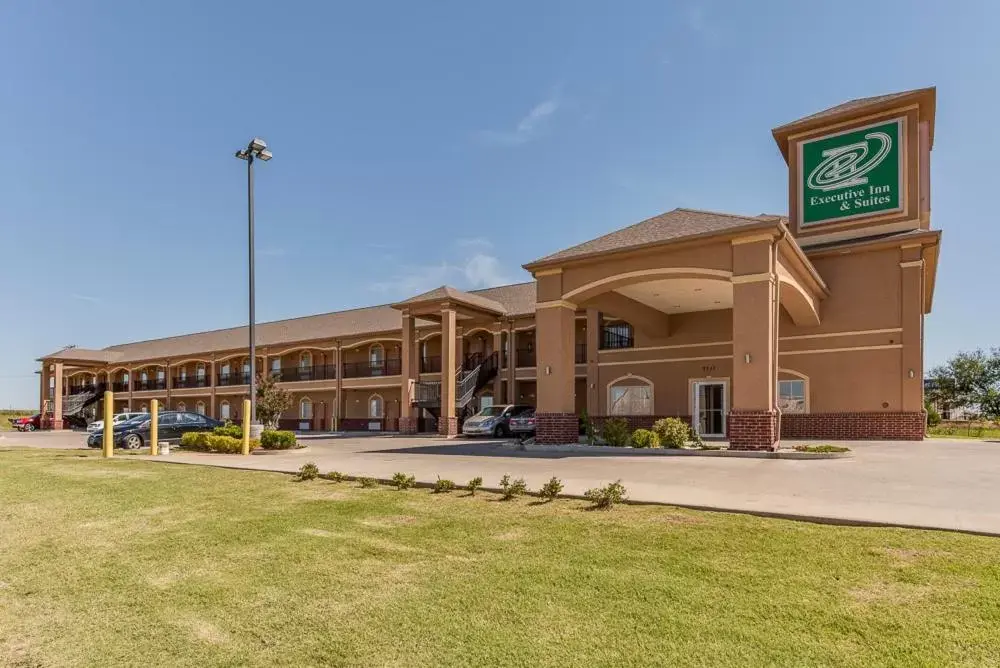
x=109, y=427
x=154, y=427
x=246, y=426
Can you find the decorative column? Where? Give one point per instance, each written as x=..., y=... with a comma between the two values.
x=212, y=381
x=511, y=365
x=57, y=399
x=131, y=385
x=170, y=384
x=555, y=370
x=448, y=422
x=593, y=345
x=498, y=349
x=753, y=418
x=408, y=375
x=459, y=349
x=338, y=412
x=911, y=424
x=43, y=379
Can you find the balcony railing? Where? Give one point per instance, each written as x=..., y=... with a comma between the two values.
x=294, y=374
x=81, y=389
x=525, y=357
x=580, y=356
x=151, y=384
x=387, y=367
x=119, y=386
x=192, y=381
x=233, y=378
x=430, y=364
x=616, y=338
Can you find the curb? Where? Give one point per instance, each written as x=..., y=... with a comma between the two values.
x=676, y=452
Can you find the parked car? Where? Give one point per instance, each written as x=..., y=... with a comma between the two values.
x=133, y=434
x=98, y=425
x=493, y=420
x=523, y=425
x=30, y=423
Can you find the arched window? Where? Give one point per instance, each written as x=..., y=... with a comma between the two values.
x=200, y=371
x=224, y=410
x=630, y=395
x=181, y=406
x=305, y=359
x=306, y=409
x=144, y=408
x=184, y=373
x=375, y=406
x=199, y=408
x=376, y=359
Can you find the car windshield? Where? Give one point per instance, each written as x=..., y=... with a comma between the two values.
x=492, y=411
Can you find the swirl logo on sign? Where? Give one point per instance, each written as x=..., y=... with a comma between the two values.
x=847, y=165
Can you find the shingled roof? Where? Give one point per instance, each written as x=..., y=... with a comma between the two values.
x=448, y=293
x=667, y=227
x=517, y=299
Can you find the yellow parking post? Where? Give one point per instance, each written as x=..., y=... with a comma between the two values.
x=154, y=427
x=246, y=426
x=109, y=427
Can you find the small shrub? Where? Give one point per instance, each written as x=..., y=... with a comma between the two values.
x=474, y=484
x=277, y=440
x=511, y=489
x=334, y=476
x=615, y=433
x=229, y=429
x=551, y=489
x=825, y=448
x=309, y=471
x=607, y=496
x=403, y=481
x=933, y=417
x=195, y=440
x=673, y=432
x=367, y=481
x=443, y=486
x=644, y=438
x=206, y=442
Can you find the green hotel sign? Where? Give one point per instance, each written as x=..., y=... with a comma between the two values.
x=851, y=174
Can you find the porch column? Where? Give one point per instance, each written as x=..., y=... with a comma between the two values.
x=131, y=385
x=753, y=418
x=448, y=422
x=511, y=366
x=57, y=400
x=408, y=376
x=212, y=380
x=459, y=349
x=43, y=379
x=170, y=384
x=555, y=371
x=498, y=349
x=338, y=412
x=593, y=344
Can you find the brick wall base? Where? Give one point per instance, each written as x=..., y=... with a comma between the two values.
x=855, y=426
x=447, y=426
x=557, y=428
x=408, y=425
x=753, y=430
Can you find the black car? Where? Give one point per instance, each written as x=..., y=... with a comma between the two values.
x=133, y=434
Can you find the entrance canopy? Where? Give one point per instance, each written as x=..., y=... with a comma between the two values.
x=466, y=305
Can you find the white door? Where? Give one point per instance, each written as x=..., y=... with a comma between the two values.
x=710, y=408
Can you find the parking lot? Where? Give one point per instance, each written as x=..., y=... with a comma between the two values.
x=935, y=483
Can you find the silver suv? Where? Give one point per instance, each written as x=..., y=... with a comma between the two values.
x=493, y=420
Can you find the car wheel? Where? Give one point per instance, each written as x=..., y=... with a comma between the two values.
x=133, y=442
x=499, y=431
x=29, y=427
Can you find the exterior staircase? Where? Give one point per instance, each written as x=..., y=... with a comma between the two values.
x=476, y=373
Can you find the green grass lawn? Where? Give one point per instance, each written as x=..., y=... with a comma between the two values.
x=127, y=562
x=976, y=431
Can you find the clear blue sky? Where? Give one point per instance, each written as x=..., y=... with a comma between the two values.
x=426, y=143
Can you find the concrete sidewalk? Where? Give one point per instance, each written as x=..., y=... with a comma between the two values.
x=932, y=484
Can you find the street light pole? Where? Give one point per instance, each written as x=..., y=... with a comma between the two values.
x=255, y=149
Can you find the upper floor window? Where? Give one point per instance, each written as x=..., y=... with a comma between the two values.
x=160, y=374
x=200, y=372
x=144, y=377
x=305, y=360
x=276, y=366
x=792, y=396
x=617, y=335
x=225, y=370
x=184, y=373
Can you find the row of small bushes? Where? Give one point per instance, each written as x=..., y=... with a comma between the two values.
x=229, y=440
x=510, y=488
x=666, y=433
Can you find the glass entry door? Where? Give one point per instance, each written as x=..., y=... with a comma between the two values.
x=710, y=408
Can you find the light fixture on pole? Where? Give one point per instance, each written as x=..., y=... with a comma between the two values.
x=257, y=148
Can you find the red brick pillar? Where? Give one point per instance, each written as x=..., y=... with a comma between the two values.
x=557, y=428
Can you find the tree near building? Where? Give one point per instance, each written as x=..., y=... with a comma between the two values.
x=272, y=400
x=969, y=379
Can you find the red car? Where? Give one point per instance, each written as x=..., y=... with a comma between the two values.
x=27, y=423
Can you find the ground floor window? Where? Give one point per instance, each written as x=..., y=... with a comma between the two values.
x=199, y=408
x=224, y=410
x=305, y=409
x=792, y=396
x=181, y=406
x=144, y=408
x=630, y=396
